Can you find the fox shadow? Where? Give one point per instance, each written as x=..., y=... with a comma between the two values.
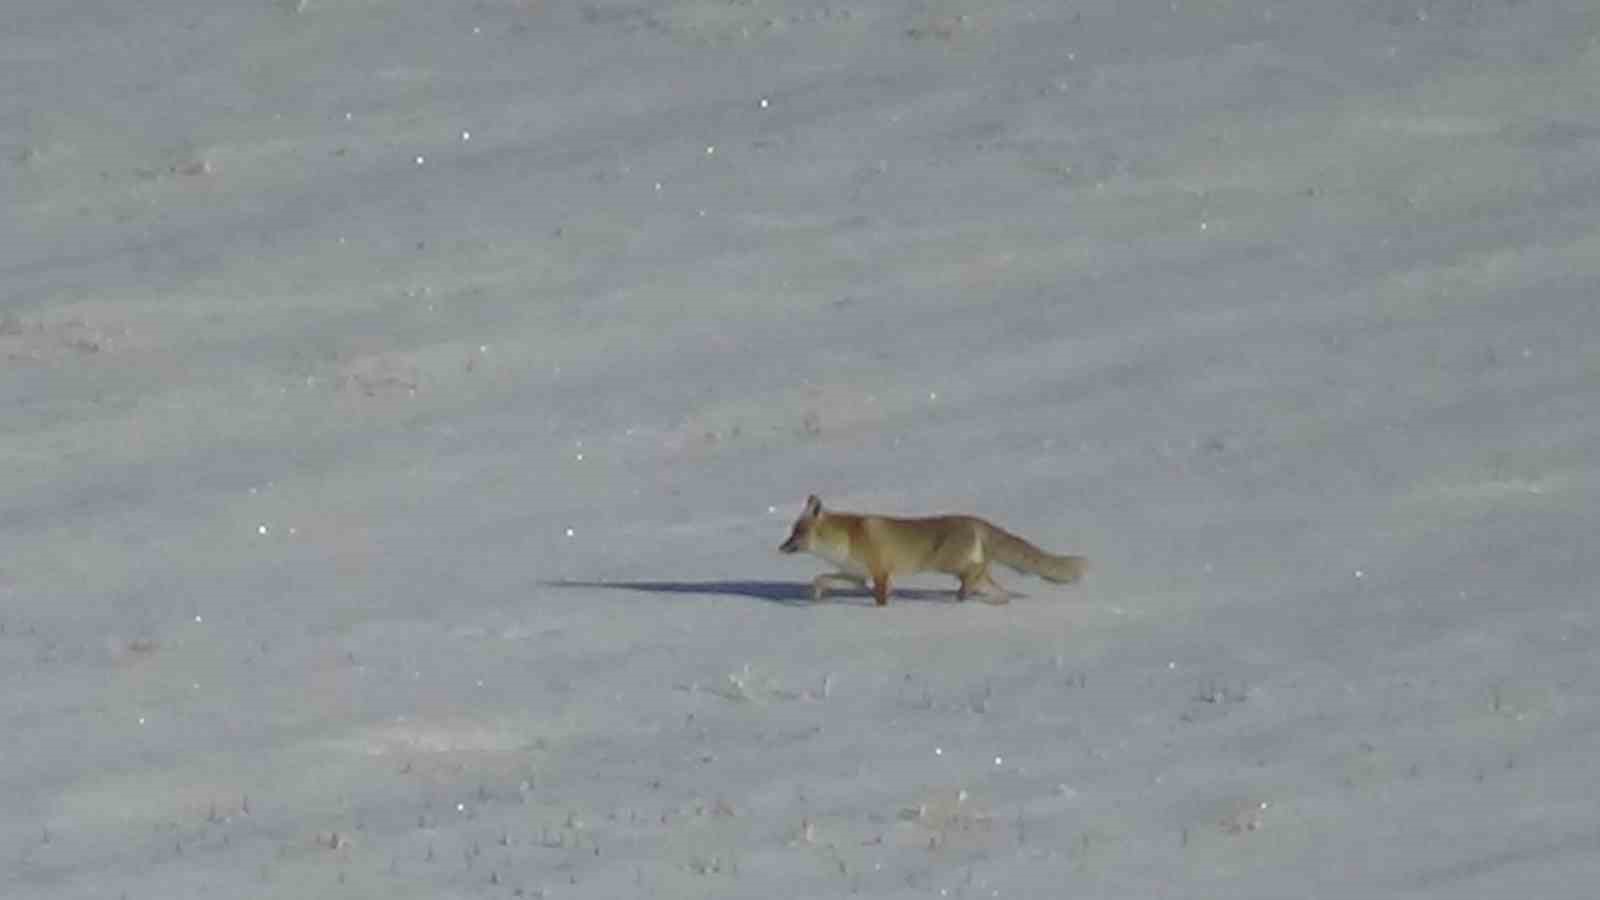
x=785, y=593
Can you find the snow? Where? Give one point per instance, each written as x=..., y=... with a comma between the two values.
x=404, y=403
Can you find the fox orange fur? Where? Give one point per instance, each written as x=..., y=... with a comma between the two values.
x=881, y=547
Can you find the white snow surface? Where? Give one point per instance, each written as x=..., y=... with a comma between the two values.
x=404, y=401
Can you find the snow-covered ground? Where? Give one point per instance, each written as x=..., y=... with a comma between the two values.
x=403, y=402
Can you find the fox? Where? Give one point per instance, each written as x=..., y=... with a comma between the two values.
x=879, y=548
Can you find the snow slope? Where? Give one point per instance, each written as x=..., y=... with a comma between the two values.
x=404, y=402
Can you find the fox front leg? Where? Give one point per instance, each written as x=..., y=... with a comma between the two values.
x=820, y=584
x=880, y=588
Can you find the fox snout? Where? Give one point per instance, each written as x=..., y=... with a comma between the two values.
x=799, y=535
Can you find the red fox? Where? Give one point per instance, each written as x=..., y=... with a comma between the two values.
x=881, y=547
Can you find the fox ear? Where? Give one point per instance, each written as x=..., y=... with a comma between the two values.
x=813, y=505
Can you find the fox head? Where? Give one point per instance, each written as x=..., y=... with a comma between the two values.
x=801, y=537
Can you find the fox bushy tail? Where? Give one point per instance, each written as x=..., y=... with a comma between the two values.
x=1013, y=552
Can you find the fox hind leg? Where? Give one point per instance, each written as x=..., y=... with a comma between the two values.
x=968, y=587
x=994, y=593
x=977, y=581
x=973, y=579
